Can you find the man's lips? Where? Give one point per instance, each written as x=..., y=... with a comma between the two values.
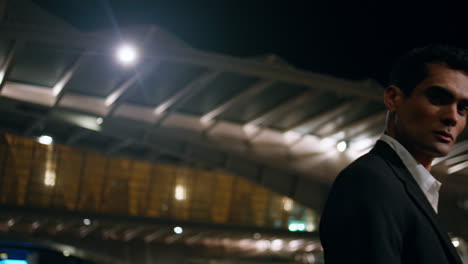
x=444, y=136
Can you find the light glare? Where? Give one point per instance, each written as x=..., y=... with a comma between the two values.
x=180, y=193
x=49, y=174
x=178, y=230
x=294, y=244
x=291, y=137
x=86, y=221
x=287, y=204
x=126, y=54
x=341, y=146
x=46, y=140
x=292, y=227
x=277, y=245
x=262, y=245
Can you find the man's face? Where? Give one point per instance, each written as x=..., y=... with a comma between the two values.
x=429, y=120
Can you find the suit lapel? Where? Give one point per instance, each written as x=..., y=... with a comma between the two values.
x=416, y=195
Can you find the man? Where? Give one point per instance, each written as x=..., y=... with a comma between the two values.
x=383, y=207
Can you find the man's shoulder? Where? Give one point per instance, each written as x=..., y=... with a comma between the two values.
x=368, y=170
x=369, y=162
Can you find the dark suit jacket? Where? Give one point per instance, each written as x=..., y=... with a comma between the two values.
x=376, y=213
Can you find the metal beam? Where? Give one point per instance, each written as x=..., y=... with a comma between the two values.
x=357, y=125
x=86, y=230
x=186, y=92
x=282, y=108
x=326, y=116
x=182, y=95
x=457, y=159
x=69, y=39
x=131, y=234
x=3, y=6
x=57, y=90
x=7, y=63
x=155, y=235
x=367, y=89
x=456, y=150
x=173, y=238
x=113, y=100
x=119, y=146
x=77, y=136
x=119, y=91
x=249, y=92
x=457, y=167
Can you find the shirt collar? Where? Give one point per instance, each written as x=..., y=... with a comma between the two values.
x=423, y=177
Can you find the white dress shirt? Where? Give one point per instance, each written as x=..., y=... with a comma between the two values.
x=428, y=184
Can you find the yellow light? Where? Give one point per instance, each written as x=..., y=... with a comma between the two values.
x=49, y=174
x=180, y=192
x=287, y=204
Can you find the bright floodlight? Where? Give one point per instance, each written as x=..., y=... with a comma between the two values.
x=456, y=242
x=46, y=140
x=86, y=221
x=127, y=54
x=341, y=146
x=178, y=230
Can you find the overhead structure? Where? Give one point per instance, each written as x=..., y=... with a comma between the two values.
x=256, y=118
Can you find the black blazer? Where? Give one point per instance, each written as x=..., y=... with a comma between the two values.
x=376, y=213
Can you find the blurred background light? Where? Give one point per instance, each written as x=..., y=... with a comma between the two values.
x=86, y=221
x=99, y=120
x=46, y=140
x=178, y=230
x=341, y=146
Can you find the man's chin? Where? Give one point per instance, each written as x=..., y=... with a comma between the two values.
x=441, y=151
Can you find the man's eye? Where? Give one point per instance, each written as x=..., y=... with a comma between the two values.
x=463, y=109
x=439, y=99
x=436, y=99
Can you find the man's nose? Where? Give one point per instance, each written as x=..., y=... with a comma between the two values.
x=450, y=115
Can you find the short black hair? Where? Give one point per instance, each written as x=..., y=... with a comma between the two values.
x=411, y=68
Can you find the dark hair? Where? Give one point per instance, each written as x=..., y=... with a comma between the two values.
x=411, y=68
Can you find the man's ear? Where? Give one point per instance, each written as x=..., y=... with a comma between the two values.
x=393, y=97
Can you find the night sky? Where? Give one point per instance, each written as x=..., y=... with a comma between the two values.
x=349, y=39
